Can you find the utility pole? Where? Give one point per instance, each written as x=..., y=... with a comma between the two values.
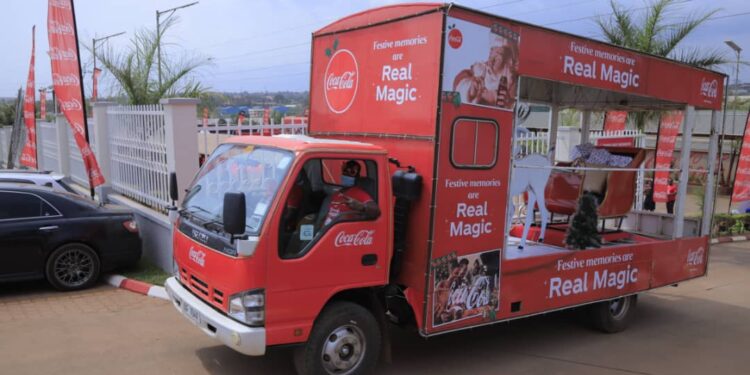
x=93, y=47
x=158, y=33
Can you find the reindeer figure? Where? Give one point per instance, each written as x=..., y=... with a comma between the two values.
x=531, y=176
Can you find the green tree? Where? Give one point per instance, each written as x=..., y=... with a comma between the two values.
x=658, y=33
x=7, y=113
x=582, y=232
x=136, y=69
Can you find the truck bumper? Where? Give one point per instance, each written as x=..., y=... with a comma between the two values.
x=244, y=339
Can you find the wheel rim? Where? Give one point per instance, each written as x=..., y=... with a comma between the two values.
x=343, y=349
x=74, y=267
x=619, y=307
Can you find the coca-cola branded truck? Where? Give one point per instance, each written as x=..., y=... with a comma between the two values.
x=397, y=208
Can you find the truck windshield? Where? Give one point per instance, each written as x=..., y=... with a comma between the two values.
x=255, y=171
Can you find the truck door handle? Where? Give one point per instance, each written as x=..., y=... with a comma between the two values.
x=369, y=259
x=49, y=228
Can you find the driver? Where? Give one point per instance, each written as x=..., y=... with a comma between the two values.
x=351, y=198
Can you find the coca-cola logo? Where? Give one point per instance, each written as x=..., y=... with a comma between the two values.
x=341, y=81
x=362, y=238
x=78, y=128
x=60, y=28
x=695, y=257
x=65, y=79
x=86, y=151
x=62, y=4
x=197, y=256
x=455, y=38
x=70, y=105
x=56, y=54
x=709, y=89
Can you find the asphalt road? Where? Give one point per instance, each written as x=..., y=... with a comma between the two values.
x=701, y=327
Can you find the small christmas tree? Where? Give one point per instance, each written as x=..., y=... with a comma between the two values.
x=582, y=232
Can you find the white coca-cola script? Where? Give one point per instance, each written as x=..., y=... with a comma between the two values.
x=709, y=89
x=362, y=238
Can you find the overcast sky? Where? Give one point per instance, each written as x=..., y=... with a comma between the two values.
x=259, y=45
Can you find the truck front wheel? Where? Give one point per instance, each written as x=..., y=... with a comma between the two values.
x=614, y=315
x=345, y=340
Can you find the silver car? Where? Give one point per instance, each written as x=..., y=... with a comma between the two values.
x=41, y=178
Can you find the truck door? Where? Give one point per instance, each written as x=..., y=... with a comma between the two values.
x=333, y=234
x=469, y=224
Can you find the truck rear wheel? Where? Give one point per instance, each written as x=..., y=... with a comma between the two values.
x=345, y=340
x=614, y=315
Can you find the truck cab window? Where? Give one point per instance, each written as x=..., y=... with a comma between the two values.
x=325, y=192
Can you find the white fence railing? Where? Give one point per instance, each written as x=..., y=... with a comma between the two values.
x=77, y=169
x=214, y=133
x=5, y=133
x=531, y=143
x=138, y=154
x=47, y=146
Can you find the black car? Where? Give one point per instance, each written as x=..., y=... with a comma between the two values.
x=65, y=238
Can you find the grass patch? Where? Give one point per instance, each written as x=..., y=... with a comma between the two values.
x=147, y=272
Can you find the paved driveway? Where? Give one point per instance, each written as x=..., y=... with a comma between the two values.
x=701, y=327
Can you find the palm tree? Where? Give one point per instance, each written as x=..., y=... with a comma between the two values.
x=135, y=70
x=655, y=34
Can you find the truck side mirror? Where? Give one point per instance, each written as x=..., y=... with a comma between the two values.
x=234, y=213
x=173, y=195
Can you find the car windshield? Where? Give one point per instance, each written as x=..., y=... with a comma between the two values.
x=255, y=171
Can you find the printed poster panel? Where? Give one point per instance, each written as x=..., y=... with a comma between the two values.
x=615, y=120
x=669, y=128
x=481, y=64
x=377, y=80
x=558, y=57
x=741, y=190
x=28, y=153
x=465, y=286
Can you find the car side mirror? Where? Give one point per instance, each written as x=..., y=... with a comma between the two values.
x=173, y=194
x=234, y=213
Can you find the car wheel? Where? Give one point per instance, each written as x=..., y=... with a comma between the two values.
x=345, y=340
x=73, y=267
x=614, y=315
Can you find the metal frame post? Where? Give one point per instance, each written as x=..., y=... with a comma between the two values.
x=708, y=196
x=687, y=138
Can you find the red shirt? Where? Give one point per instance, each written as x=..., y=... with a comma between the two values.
x=671, y=193
x=338, y=204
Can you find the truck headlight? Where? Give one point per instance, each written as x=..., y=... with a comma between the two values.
x=248, y=307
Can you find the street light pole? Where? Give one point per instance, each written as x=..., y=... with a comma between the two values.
x=102, y=39
x=737, y=50
x=158, y=33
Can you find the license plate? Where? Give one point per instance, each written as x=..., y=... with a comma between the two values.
x=193, y=315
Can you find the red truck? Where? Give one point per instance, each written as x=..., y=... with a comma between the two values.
x=396, y=208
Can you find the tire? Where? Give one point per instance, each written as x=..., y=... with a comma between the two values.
x=614, y=315
x=346, y=330
x=73, y=267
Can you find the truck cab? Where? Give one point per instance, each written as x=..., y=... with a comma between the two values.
x=273, y=229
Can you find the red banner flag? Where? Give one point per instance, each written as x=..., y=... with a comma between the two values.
x=28, y=154
x=43, y=104
x=205, y=117
x=741, y=190
x=615, y=120
x=266, y=116
x=95, y=87
x=66, y=76
x=669, y=128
